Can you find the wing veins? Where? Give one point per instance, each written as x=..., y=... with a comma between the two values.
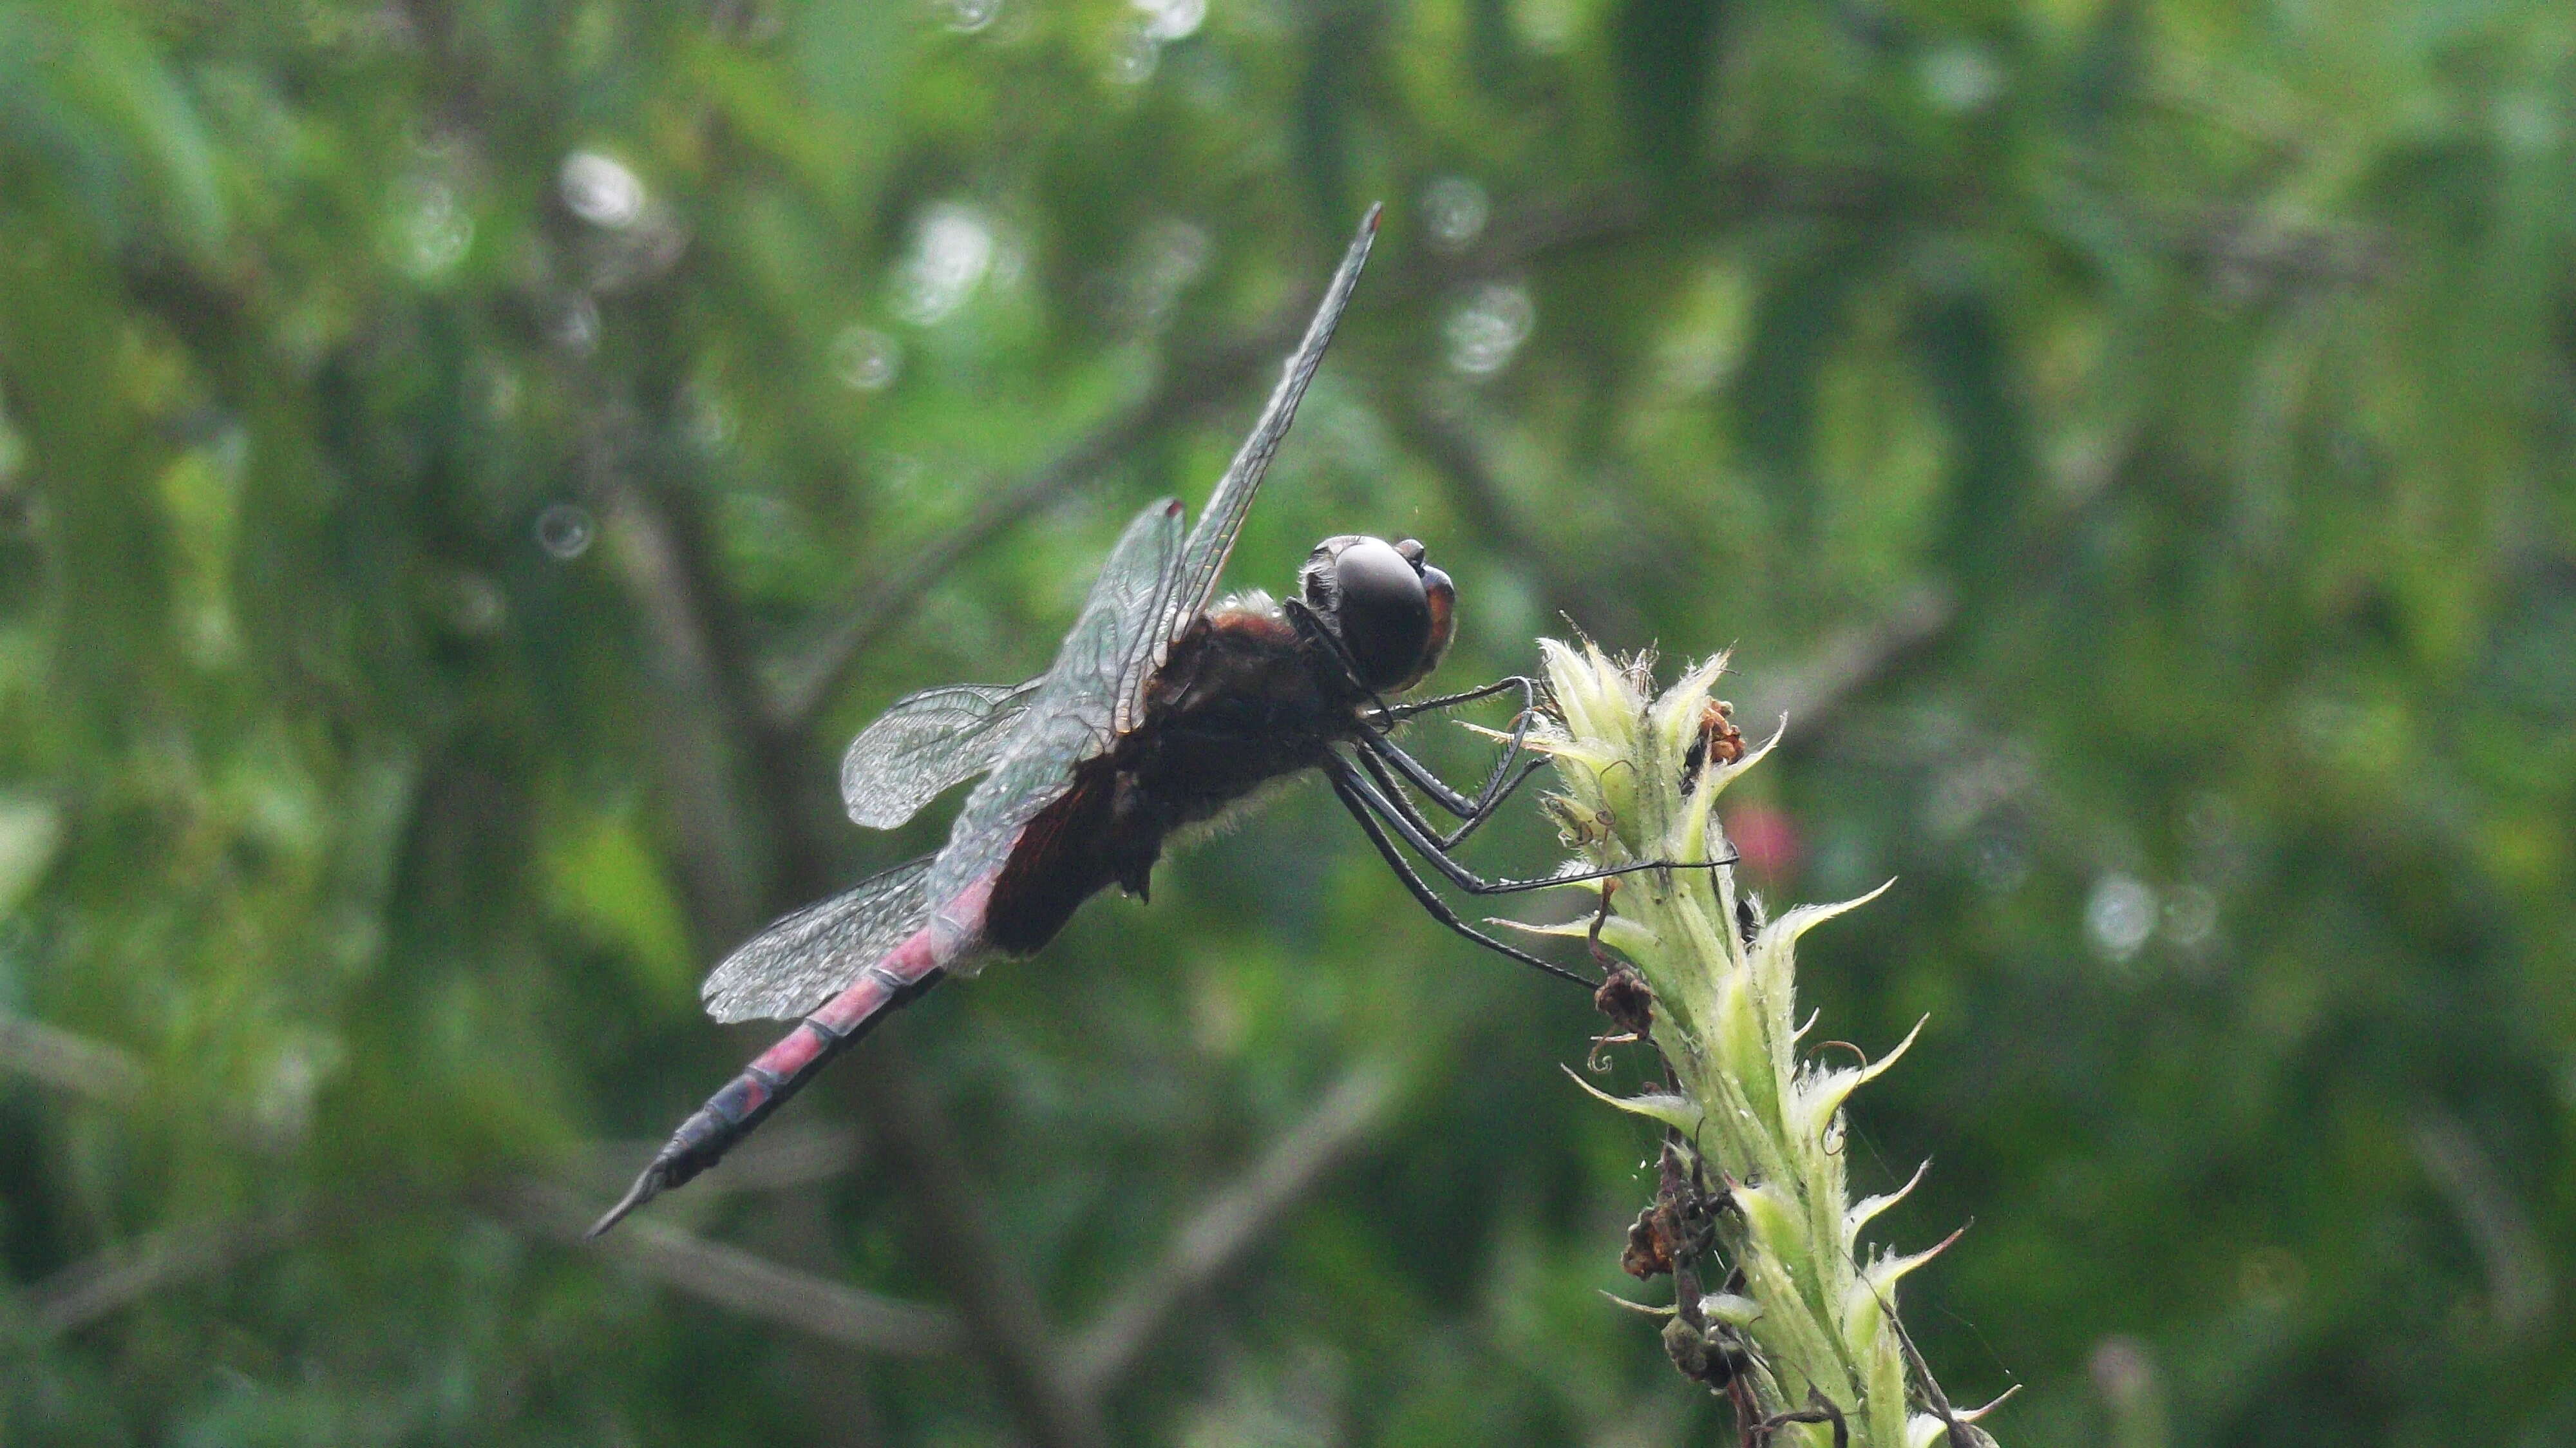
x=1074, y=713
x=926, y=744
x=1203, y=558
x=807, y=956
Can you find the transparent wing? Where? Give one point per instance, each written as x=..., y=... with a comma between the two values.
x=1144, y=646
x=806, y=958
x=1203, y=558
x=1073, y=715
x=925, y=744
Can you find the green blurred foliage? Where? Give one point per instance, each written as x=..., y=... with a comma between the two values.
x=395, y=394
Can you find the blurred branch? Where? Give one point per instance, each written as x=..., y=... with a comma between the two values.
x=1541, y=227
x=883, y=598
x=1216, y=1238
x=73, y=1063
x=746, y=1283
x=950, y=1235
x=786, y=1156
x=1574, y=221
x=1810, y=692
x=127, y=1273
x=2519, y=1290
x=690, y=731
x=1447, y=444
x=1231, y=1223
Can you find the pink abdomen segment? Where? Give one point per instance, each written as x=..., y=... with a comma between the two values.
x=782, y=1070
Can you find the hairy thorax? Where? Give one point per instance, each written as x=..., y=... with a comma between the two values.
x=1242, y=700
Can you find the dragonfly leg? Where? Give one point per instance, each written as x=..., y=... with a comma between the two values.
x=1344, y=786
x=1356, y=785
x=1474, y=812
x=1529, y=699
x=1379, y=751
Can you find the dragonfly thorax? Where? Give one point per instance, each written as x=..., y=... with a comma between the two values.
x=1391, y=614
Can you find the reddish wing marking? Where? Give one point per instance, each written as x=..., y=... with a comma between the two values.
x=1060, y=861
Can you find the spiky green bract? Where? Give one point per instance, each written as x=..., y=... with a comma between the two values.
x=1639, y=784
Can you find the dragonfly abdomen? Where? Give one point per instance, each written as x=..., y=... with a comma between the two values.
x=781, y=1071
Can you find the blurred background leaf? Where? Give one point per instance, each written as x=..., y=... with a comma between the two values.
x=465, y=469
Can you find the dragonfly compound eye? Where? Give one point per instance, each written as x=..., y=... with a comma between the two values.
x=1443, y=597
x=1382, y=612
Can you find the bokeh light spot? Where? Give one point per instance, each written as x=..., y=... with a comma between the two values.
x=2120, y=914
x=865, y=359
x=565, y=531
x=1484, y=334
x=952, y=251
x=599, y=190
x=1455, y=210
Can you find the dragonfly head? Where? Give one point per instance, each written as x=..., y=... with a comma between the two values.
x=1392, y=612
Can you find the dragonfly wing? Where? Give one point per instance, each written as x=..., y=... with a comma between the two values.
x=805, y=958
x=1203, y=558
x=1073, y=714
x=925, y=744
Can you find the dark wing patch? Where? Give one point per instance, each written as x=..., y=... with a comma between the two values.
x=805, y=958
x=1060, y=861
x=1073, y=715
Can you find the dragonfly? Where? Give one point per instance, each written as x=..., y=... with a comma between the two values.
x=1163, y=707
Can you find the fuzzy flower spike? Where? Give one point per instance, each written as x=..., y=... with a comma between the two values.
x=1777, y=1303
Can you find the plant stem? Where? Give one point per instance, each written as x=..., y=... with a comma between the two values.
x=1796, y=1325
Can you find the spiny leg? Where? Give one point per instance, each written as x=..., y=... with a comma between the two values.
x=1438, y=789
x=1529, y=699
x=1431, y=784
x=1347, y=778
x=1422, y=892
x=1475, y=814
x=1378, y=750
